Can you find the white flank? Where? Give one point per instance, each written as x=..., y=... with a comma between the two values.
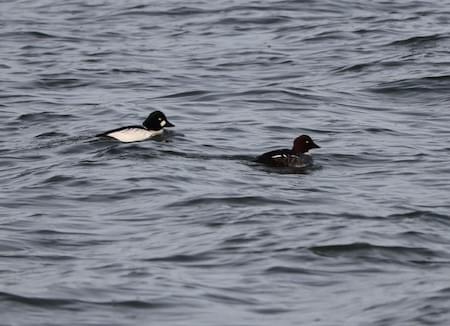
x=133, y=134
x=277, y=156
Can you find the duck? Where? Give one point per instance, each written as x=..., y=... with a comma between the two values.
x=297, y=157
x=152, y=126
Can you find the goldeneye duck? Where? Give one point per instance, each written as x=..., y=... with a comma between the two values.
x=297, y=157
x=152, y=126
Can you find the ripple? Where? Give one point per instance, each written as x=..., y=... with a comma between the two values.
x=54, y=83
x=178, y=11
x=183, y=258
x=428, y=216
x=230, y=200
x=44, y=117
x=32, y=34
x=253, y=20
x=271, y=311
x=292, y=270
x=432, y=84
x=51, y=134
x=419, y=41
x=371, y=252
x=186, y=94
x=187, y=226
x=68, y=303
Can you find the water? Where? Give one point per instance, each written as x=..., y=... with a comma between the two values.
x=187, y=230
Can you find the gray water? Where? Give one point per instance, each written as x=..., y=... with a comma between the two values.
x=187, y=229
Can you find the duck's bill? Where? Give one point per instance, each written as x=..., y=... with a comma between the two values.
x=314, y=145
x=169, y=124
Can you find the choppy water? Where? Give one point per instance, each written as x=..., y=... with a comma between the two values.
x=187, y=230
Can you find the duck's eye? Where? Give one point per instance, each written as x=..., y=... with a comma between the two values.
x=307, y=142
x=160, y=119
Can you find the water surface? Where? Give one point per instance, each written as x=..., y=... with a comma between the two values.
x=187, y=230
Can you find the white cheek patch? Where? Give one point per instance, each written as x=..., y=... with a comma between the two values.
x=163, y=123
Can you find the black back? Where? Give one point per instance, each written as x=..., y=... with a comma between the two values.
x=268, y=158
x=285, y=158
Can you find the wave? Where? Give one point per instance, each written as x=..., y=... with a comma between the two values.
x=33, y=34
x=294, y=270
x=431, y=84
x=428, y=216
x=68, y=303
x=182, y=258
x=55, y=83
x=230, y=200
x=45, y=117
x=38, y=36
x=390, y=254
x=420, y=41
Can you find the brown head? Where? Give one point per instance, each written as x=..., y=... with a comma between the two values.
x=302, y=144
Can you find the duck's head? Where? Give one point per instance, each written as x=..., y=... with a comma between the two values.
x=157, y=121
x=303, y=144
